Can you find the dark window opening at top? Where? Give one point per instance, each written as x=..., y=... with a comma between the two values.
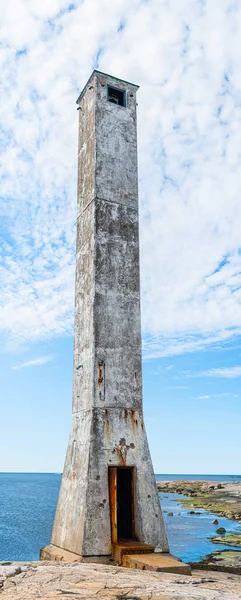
x=116, y=96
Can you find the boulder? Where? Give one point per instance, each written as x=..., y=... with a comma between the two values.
x=221, y=530
x=194, y=512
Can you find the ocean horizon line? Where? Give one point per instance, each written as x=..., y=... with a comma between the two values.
x=156, y=474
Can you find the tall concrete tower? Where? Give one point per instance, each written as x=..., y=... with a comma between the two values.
x=108, y=492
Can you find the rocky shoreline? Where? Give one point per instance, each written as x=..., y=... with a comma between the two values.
x=222, y=499
x=226, y=561
x=231, y=539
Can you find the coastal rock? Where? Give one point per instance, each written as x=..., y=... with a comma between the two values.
x=170, y=514
x=194, y=512
x=231, y=539
x=224, y=500
x=9, y=569
x=50, y=581
x=215, y=522
x=221, y=530
x=228, y=561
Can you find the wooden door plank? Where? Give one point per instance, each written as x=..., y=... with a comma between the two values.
x=113, y=503
x=133, y=500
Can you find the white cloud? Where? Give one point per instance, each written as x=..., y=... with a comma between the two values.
x=229, y=372
x=209, y=396
x=184, y=342
x=185, y=56
x=42, y=360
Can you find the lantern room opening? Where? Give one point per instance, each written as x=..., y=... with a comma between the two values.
x=121, y=488
x=116, y=96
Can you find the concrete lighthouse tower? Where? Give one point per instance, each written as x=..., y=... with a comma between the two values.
x=108, y=493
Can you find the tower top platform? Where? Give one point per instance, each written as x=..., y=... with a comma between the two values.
x=109, y=78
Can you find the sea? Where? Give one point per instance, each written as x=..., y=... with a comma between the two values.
x=28, y=503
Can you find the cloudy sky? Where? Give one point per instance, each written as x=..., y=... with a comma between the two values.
x=185, y=55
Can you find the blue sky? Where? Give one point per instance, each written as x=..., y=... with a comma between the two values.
x=185, y=57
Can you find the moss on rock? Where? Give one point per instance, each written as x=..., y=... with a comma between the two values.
x=231, y=539
x=228, y=561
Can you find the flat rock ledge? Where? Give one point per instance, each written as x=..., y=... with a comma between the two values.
x=52, y=581
x=223, y=499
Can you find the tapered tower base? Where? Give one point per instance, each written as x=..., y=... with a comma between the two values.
x=108, y=490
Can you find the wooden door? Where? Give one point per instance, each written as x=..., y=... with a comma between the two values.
x=113, y=503
x=133, y=500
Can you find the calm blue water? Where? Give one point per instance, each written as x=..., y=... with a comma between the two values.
x=27, y=508
x=189, y=535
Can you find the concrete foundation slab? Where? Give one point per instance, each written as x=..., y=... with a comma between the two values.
x=161, y=562
x=52, y=552
x=57, y=554
x=129, y=547
x=141, y=556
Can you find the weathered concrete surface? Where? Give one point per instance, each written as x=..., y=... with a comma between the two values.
x=129, y=547
x=129, y=554
x=52, y=552
x=136, y=555
x=156, y=562
x=52, y=581
x=107, y=428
